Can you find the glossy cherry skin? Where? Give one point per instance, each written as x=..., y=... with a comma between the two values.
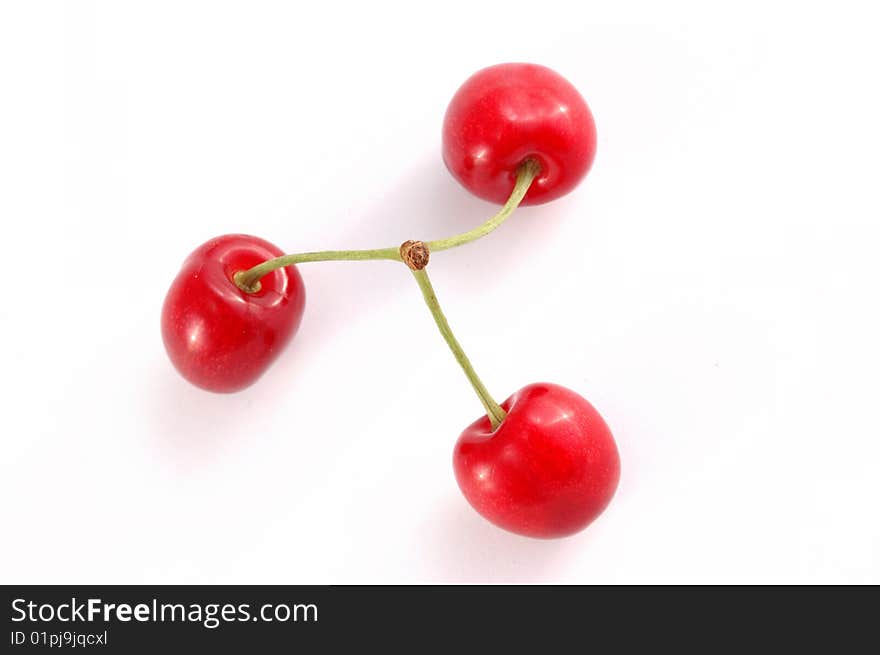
x=507, y=113
x=219, y=337
x=549, y=469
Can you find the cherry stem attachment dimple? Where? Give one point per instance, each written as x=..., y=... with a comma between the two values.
x=493, y=410
x=249, y=280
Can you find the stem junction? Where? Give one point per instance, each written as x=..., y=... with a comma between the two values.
x=415, y=254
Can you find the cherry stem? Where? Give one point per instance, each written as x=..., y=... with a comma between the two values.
x=525, y=175
x=249, y=280
x=493, y=410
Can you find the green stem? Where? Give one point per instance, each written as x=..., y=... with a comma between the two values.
x=525, y=175
x=249, y=280
x=493, y=410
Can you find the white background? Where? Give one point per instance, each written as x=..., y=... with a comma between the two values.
x=711, y=288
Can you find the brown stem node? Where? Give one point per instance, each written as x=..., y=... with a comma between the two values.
x=415, y=254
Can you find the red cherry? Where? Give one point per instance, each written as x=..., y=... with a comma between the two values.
x=549, y=469
x=219, y=337
x=505, y=114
